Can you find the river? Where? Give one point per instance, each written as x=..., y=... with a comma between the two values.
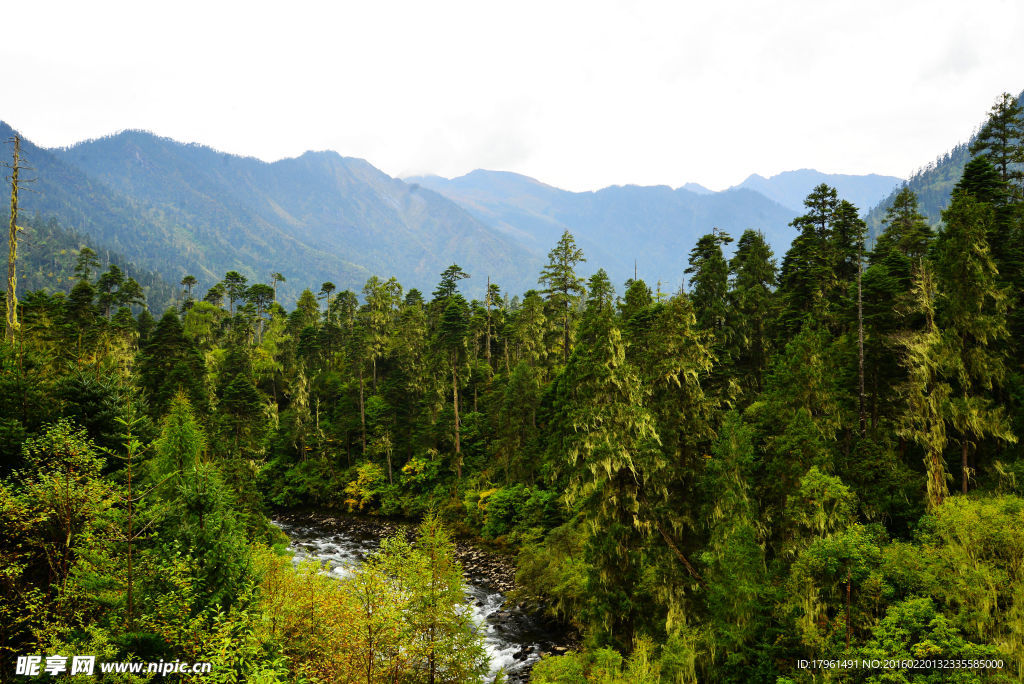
x=514, y=639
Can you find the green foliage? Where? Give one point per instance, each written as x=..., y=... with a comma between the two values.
x=686, y=483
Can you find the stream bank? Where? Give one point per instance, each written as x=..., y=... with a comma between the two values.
x=514, y=638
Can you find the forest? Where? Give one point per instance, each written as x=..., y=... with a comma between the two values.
x=781, y=468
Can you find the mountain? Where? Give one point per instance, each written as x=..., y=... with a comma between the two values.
x=653, y=227
x=697, y=188
x=320, y=216
x=179, y=209
x=932, y=184
x=791, y=187
x=48, y=252
x=184, y=208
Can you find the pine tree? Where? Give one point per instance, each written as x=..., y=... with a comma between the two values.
x=972, y=314
x=451, y=338
x=562, y=286
x=1001, y=140
x=925, y=392
x=709, y=283
x=607, y=443
x=751, y=306
x=807, y=277
x=905, y=229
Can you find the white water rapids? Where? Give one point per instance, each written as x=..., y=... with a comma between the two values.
x=513, y=639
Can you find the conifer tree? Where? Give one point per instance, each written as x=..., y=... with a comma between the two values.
x=169, y=363
x=445, y=641
x=925, y=392
x=562, y=286
x=972, y=314
x=188, y=282
x=637, y=298
x=905, y=228
x=752, y=305
x=807, y=276
x=451, y=338
x=709, y=283
x=85, y=263
x=610, y=450
x=847, y=244
x=234, y=287
x=1001, y=140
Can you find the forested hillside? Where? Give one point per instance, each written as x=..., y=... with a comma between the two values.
x=933, y=184
x=48, y=252
x=800, y=460
x=186, y=209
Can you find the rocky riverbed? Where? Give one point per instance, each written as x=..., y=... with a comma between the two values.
x=514, y=638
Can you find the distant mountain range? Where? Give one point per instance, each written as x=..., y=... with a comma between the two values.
x=791, y=187
x=652, y=228
x=183, y=208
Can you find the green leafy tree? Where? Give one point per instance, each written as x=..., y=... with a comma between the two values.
x=445, y=642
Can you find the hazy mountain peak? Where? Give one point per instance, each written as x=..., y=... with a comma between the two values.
x=789, y=188
x=696, y=188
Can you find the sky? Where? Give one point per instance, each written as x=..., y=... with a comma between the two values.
x=580, y=95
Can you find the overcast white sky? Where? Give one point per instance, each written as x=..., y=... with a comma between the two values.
x=577, y=94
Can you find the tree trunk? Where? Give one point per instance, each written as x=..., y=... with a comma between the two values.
x=12, y=248
x=963, y=463
x=487, y=300
x=849, y=576
x=860, y=353
x=565, y=336
x=362, y=409
x=679, y=554
x=458, y=443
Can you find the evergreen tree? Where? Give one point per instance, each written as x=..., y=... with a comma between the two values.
x=972, y=314
x=449, y=284
x=751, y=304
x=847, y=245
x=234, y=286
x=562, y=286
x=926, y=394
x=905, y=229
x=807, y=277
x=637, y=298
x=445, y=641
x=1001, y=140
x=610, y=447
x=709, y=283
x=170, y=363
x=451, y=338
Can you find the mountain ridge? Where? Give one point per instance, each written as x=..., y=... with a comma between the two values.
x=321, y=215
